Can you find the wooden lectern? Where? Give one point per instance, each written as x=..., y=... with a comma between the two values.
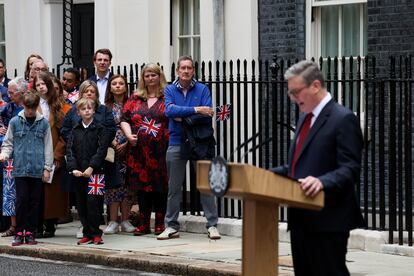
x=262, y=191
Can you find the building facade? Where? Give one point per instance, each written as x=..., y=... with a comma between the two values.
x=136, y=31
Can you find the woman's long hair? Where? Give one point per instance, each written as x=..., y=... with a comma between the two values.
x=142, y=90
x=53, y=99
x=109, y=96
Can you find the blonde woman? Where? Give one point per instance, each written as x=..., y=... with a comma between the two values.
x=146, y=128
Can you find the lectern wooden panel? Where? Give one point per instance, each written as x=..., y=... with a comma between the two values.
x=262, y=192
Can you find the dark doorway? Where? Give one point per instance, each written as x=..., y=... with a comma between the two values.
x=83, y=36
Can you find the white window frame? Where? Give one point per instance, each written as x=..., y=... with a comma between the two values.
x=3, y=42
x=313, y=29
x=176, y=27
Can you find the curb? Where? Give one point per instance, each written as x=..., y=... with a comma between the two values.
x=124, y=259
x=361, y=239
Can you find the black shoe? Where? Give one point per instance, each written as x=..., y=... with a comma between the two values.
x=39, y=235
x=48, y=234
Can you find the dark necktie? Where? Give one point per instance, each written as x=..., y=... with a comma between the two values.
x=301, y=138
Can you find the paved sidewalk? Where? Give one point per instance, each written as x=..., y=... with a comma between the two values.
x=191, y=254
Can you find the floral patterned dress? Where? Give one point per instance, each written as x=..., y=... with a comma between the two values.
x=146, y=165
x=121, y=193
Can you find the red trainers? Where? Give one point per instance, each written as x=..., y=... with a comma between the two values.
x=97, y=240
x=141, y=230
x=18, y=239
x=30, y=238
x=85, y=240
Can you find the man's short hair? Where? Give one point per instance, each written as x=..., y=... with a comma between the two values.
x=104, y=51
x=73, y=71
x=85, y=102
x=31, y=99
x=2, y=62
x=182, y=58
x=308, y=70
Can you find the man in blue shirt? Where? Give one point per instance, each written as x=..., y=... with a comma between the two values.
x=183, y=98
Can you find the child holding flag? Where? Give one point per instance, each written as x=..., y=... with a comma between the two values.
x=85, y=153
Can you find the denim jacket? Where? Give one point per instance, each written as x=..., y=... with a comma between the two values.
x=31, y=146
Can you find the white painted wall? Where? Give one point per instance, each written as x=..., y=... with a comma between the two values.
x=134, y=31
x=32, y=27
x=241, y=30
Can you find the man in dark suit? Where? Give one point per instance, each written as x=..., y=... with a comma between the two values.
x=325, y=155
x=102, y=60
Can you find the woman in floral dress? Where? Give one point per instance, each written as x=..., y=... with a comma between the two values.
x=146, y=128
x=117, y=196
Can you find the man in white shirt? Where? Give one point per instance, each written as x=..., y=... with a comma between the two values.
x=102, y=60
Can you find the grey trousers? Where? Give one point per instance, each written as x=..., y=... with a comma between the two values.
x=176, y=173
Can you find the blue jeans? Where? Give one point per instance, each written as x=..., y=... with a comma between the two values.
x=176, y=173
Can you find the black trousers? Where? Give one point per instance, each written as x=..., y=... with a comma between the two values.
x=88, y=206
x=319, y=254
x=152, y=201
x=28, y=197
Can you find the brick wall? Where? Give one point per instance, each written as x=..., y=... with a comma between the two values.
x=390, y=30
x=282, y=29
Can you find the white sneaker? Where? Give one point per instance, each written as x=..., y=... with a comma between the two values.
x=169, y=233
x=112, y=228
x=79, y=234
x=213, y=233
x=126, y=226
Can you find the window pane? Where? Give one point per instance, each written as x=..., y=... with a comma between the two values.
x=196, y=46
x=329, y=31
x=2, y=35
x=3, y=52
x=351, y=30
x=185, y=46
x=185, y=17
x=196, y=27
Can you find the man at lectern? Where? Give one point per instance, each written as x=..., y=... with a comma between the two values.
x=325, y=154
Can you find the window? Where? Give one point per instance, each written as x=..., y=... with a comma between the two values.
x=189, y=28
x=2, y=34
x=338, y=28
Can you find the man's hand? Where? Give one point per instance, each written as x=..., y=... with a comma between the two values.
x=46, y=176
x=2, y=158
x=311, y=185
x=205, y=110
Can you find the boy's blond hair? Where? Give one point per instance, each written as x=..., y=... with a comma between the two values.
x=85, y=102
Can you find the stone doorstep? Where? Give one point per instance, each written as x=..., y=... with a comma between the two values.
x=360, y=239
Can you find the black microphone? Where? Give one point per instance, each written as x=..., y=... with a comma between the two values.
x=255, y=148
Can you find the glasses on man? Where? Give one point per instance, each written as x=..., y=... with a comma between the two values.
x=296, y=92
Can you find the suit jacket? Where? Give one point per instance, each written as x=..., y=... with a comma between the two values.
x=331, y=152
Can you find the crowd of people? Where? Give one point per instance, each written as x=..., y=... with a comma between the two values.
x=96, y=144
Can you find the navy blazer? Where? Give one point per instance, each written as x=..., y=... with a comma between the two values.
x=332, y=152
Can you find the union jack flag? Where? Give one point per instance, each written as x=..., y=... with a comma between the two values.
x=9, y=168
x=96, y=184
x=150, y=127
x=73, y=96
x=223, y=112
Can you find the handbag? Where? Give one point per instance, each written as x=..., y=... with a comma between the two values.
x=110, y=155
